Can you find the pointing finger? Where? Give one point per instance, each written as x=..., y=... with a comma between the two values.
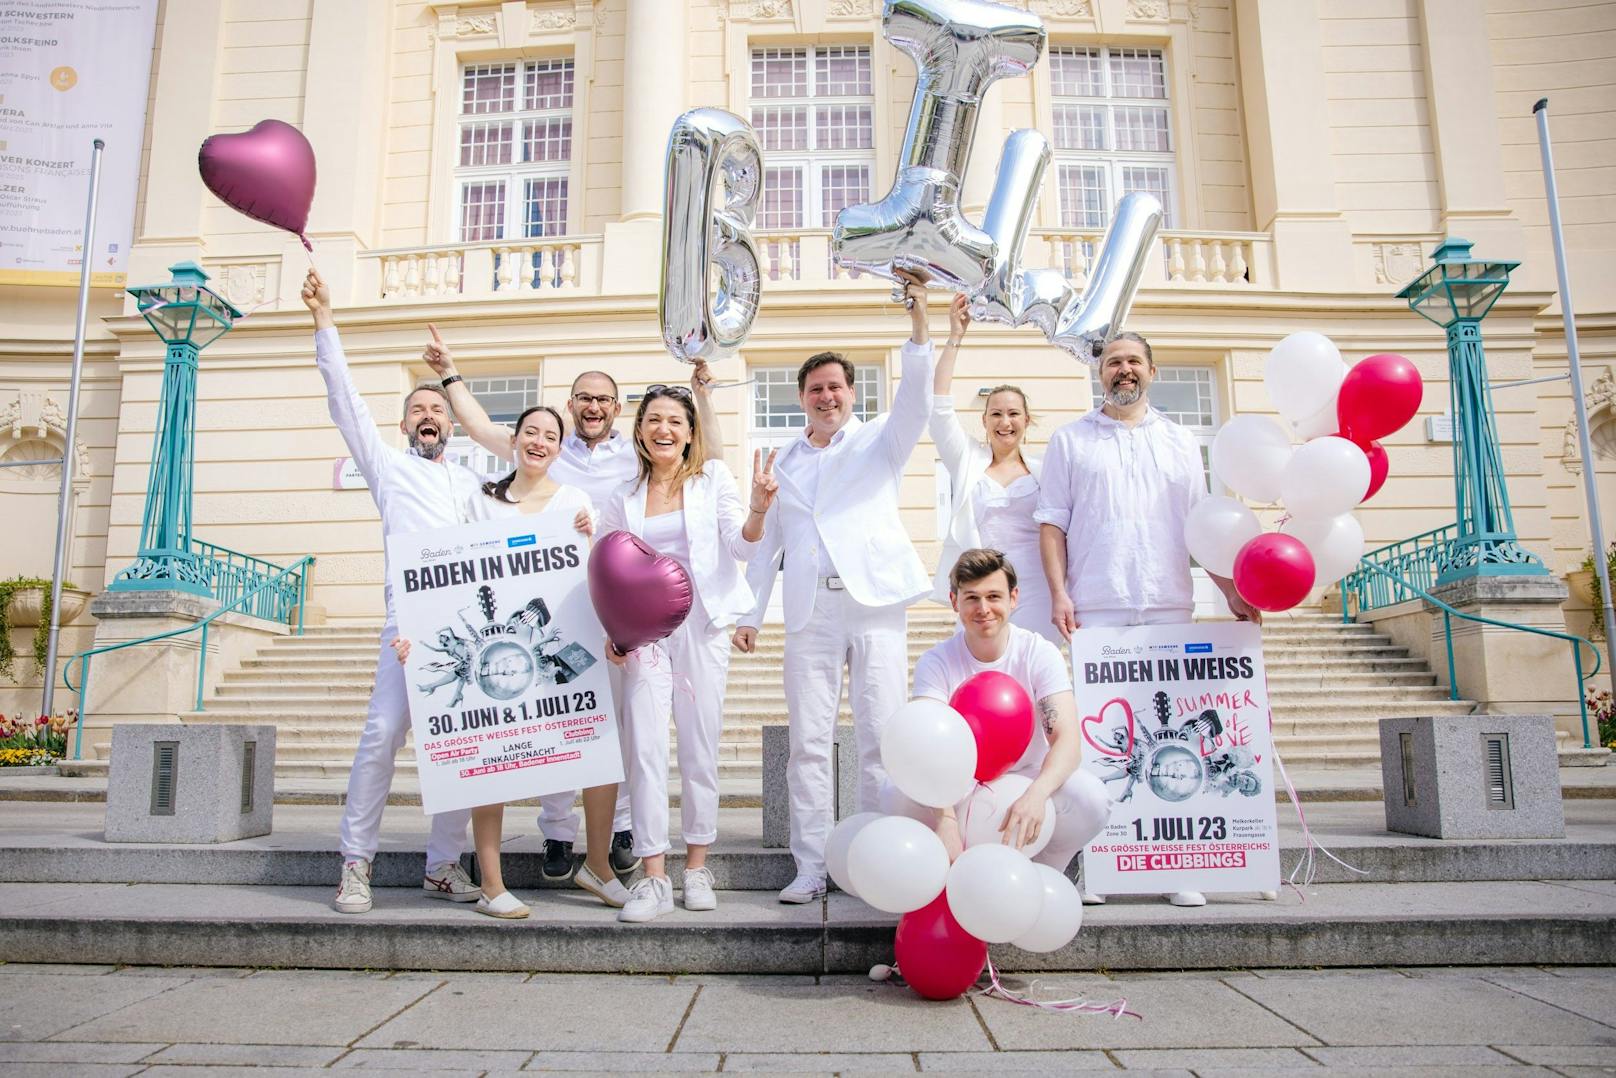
x=432, y=329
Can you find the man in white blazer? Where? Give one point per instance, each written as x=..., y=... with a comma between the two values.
x=850, y=572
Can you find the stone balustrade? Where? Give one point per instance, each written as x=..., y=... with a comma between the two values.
x=512, y=267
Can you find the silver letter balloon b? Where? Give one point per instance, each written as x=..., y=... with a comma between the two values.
x=714, y=180
x=960, y=47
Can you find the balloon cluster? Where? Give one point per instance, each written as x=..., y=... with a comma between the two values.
x=1342, y=412
x=946, y=755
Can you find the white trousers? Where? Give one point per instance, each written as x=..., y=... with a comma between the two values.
x=1079, y=816
x=386, y=724
x=558, y=820
x=680, y=679
x=871, y=643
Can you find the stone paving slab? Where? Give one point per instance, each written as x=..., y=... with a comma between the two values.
x=874, y=1017
x=38, y=1006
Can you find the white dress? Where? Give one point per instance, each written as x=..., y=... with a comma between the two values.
x=1004, y=521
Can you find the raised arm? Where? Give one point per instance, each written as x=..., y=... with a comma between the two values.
x=348, y=409
x=953, y=443
x=712, y=431
x=739, y=527
x=473, y=419
x=910, y=407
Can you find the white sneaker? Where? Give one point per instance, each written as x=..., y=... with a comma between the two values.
x=609, y=891
x=353, y=893
x=1187, y=898
x=805, y=888
x=1268, y=896
x=504, y=905
x=698, y=892
x=650, y=898
x=1092, y=900
x=448, y=880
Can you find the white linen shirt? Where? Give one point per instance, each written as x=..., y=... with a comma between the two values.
x=1122, y=495
x=597, y=472
x=802, y=469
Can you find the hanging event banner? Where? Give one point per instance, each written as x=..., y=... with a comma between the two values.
x=1175, y=723
x=71, y=71
x=508, y=689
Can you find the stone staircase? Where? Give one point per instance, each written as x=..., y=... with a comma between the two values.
x=1330, y=684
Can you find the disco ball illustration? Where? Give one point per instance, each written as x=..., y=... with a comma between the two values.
x=505, y=670
x=1175, y=773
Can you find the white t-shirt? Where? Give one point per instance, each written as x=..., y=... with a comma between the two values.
x=566, y=499
x=1034, y=663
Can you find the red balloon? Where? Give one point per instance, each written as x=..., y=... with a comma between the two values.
x=266, y=173
x=938, y=958
x=1379, y=466
x=1378, y=397
x=1274, y=571
x=999, y=712
x=639, y=595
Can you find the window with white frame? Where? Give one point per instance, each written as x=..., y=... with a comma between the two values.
x=503, y=399
x=515, y=150
x=813, y=108
x=1113, y=132
x=777, y=414
x=1187, y=396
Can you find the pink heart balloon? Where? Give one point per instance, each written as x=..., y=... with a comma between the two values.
x=639, y=595
x=266, y=173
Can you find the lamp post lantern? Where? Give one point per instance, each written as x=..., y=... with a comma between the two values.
x=1456, y=293
x=188, y=316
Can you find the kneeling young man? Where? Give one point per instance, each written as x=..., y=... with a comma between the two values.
x=982, y=590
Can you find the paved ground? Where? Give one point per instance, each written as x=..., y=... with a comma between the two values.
x=100, y=1020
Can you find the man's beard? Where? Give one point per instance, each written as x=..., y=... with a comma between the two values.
x=426, y=450
x=1124, y=396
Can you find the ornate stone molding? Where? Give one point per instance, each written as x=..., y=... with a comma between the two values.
x=756, y=10
x=476, y=25
x=546, y=22
x=1398, y=263
x=1600, y=400
x=32, y=417
x=1068, y=9
x=851, y=9
x=1148, y=10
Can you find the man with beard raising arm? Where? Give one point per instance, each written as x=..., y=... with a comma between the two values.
x=413, y=490
x=1118, y=484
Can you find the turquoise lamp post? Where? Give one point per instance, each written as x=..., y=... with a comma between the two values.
x=1456, y=293
x=188, y=316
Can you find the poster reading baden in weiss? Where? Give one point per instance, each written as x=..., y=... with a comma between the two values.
x=508, y=689
x=1175, y=723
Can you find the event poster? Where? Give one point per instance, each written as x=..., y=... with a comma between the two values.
x=71, y=71
x=1175, y=724
x=507, y=680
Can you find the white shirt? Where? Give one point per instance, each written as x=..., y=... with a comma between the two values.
x=1122, y=495
x=802, y=468
x=1004, y=517
x=1034, y=663
x=568, y=499
x=665, y=534
x=411, y=493
x=598, y=471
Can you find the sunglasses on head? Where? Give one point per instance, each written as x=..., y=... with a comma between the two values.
x=682, y=392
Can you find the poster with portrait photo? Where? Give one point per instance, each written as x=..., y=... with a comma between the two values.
x=508, y=687
x=1174, y=722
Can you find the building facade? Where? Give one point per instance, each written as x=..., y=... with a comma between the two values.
x=496, y=169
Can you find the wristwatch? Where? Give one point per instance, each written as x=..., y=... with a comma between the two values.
x=451, y=380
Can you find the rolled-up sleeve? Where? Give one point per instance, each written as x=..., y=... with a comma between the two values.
x=1055, y=486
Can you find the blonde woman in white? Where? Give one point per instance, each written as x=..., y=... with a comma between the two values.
x=993, y=485
x=687, y=508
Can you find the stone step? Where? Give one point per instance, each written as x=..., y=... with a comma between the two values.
x=1346, y=924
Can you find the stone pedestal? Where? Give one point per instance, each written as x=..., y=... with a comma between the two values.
x=150, y=682
x=207, y=782
x=1472, y=776
x=777, y=800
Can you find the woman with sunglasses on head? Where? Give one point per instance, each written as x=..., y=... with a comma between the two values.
x=528, y=489
x=993, y=485
x=686, y=507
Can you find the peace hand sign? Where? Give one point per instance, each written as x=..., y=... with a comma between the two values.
x=437, y=355
x=764, y=484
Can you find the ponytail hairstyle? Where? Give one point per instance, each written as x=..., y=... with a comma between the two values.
x=499, y=489
x=695, y=457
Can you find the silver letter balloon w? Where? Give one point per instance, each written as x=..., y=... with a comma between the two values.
x=960, y=47
x=714, y=180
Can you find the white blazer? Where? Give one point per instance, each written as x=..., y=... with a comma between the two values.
x=854, y=512
x=967, y=462
x=713, y=519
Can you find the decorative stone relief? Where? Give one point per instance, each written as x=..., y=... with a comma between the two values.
x=1600, y=400
x=1069, y=9
x=1147, y=10
x=1397, y=263
x=476, y=25
x=544, y=22
x=851, y=9
x=33, y=427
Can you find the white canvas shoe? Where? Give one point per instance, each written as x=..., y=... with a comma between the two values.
x=698, y=892
x=1187, y=898
x=609, y=891
x=1092, y=900
x=650, y=898
x=353, y=893
x=504, y=905
x=448, y=880
x=805, y=888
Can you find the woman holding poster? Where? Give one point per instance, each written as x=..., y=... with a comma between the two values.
x=993, y=486
x=525, y=491
x=687, y=508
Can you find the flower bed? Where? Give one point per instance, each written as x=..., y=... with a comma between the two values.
x=25, y=743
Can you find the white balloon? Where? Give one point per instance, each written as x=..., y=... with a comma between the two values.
x=1060, y=918
x=897, y=864
x=929, y=752
x=1325, y=478
x=892, y=801
x=983, y=814
x=995, y=893
x=1216, y=529
x=841, y=837
x=1249, y=455
x=1303, y=374
x=1085, y=806
x=1324, y=421
x=1336, y=544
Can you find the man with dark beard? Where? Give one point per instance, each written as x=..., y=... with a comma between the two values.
x=414, y=490
x=1117, y=487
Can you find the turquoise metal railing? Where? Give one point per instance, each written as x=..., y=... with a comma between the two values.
x=1385, y=583
x=231, y=575
x=293, y=577
x=1409, y=565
